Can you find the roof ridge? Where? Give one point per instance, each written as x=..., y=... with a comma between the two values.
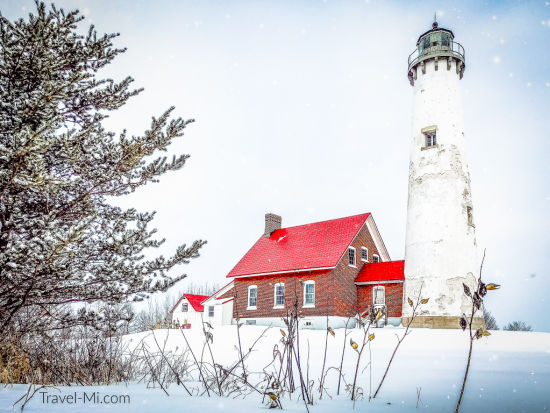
x=327, y=220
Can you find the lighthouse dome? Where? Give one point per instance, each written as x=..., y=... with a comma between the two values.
x=437, y=43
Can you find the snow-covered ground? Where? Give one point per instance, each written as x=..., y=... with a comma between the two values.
x=510, y=372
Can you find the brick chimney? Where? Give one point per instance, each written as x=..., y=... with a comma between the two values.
x=272, y=223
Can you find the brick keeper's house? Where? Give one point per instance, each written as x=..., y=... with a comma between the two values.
x=337, y=268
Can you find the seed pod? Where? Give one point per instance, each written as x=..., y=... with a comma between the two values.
x=463, y=323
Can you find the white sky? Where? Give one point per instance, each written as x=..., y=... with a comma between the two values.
x=303, y=108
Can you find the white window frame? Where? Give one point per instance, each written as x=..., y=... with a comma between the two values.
x=184, y=307
x=248, y=306
x=377, y=257
x=308, y=305
x=275, y=305
x=364, y=249
x=210, y=308
x=430, y=136
x=354, y=257
x=379, y=288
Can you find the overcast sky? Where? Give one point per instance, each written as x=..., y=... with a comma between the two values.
x=303, y=108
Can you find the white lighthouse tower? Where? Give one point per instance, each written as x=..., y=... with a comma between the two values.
x=440, y=248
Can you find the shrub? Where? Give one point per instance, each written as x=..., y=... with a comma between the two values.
x=517, y=326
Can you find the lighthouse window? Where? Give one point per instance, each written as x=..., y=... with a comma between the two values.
x=470, y=216
x=446, y=39
x=430, y=139
x=426, y=42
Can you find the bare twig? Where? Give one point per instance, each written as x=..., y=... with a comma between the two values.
x=419, y=301
x=196, y=362
x=210, y=338
x=153, y=374
x=178, y=378
x=343, y=351
x=372, y=317
x=477, y=303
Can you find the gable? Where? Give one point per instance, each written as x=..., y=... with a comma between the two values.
x=222, y=294
x=193, y=300
x=306, y=247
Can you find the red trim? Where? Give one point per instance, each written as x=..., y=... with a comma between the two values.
x=286, y=274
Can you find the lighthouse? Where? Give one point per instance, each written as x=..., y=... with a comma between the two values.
x=440, y=245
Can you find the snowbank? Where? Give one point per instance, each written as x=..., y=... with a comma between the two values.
x=510, y=372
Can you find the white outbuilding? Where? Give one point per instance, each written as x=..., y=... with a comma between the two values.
x=188, y=311
x=218, y=308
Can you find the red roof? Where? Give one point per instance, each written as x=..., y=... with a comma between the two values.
x=194, y=300
x=381, y=271
x=304, y=247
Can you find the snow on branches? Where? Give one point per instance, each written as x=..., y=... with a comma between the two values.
x=60, y=240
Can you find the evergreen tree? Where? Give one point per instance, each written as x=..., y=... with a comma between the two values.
x=61, y=241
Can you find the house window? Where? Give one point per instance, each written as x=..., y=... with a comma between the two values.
x=375, y=258
x=309, y=294
x=185, y=307
x=210, y=311
x=379, y=295
x=431, y=139
x=279, y=301
x=364, y=254
x=351, y=256
x=250, y=322
x=252, y=297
